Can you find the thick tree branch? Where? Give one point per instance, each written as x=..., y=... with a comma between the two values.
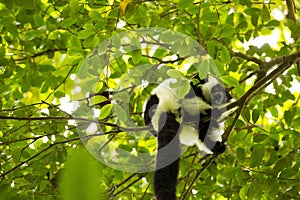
x=291, y=10
x=287, y=61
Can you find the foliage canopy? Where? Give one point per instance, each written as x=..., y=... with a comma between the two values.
x=254, y=46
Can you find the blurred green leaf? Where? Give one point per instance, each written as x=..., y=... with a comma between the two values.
x=81, y=168
x=224, y=55
x=119, y=112
x=182, y=4
x=95, y=15
x=240, y=154
x=175, y=73
x=257, y=155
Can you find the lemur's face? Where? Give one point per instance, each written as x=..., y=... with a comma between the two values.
x=218, y=95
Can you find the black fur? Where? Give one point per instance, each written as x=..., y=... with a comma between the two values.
x=150, y=110
x=165, y=177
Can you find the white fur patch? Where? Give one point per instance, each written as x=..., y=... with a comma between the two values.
x=188, y=135
x=215, y=135
x=168, y=98
x=202, y=147
x=206, y=87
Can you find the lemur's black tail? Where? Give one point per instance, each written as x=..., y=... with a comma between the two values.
x=168, y=156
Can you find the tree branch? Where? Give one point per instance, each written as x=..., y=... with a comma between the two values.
x=207, y=163
x=291, y=10
x=287, y=61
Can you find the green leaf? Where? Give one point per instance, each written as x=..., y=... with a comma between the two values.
x=141, y=149
x=2, y=51
x=74, y=43
x=245, y=2
x=160, y=53
x=289, y=173
x=17, y=94
x=288, y=117
x=260, y=137
x=32, y=34
x=273, y=23
x=265, y=13
x=95, y=15
x=242, y=22
x=175, y=73
x=167, y=37
x=45, y=68
x=10, y=27
x=244, y=192
x=257, y=155
x=203, y=67
x=182, y=4
x=243, y=177
x=45, y=87
x=288, y=95
x=86, y=33
x=105, y=111
x=252, y=11
x=255, y=115
x=229, y=80
x=124, y=147
x=228, y=31
x=59, y=94
x=230, y=172
x=273, y=111
x=136, y=56
x=97, y=99
x=240, y=154
x=248, y=35
x=224, y=55
x=254, y=19
x=208, y=15
x=91, y=42
x=68, y=22
x=212, y=47
x=254, y=192
x=74, y=6
x=120, y=112
x=116, y=42
x=273, y=158
x=183, y=88
x=38, y=20
x=281, y=164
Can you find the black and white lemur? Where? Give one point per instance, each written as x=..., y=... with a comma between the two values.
x=191, y=120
